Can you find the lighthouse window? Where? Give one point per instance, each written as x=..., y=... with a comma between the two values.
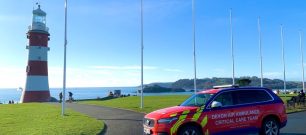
x=28, y=68
x=39, y=19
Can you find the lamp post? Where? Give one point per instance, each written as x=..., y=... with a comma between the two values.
x=260, y=52
x=194, y=48
x=232, y=48
x=64, y=76
x=302, y=58
x=283, y=57
x=141, y=46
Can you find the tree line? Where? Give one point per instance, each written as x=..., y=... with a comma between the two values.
x=207, y=83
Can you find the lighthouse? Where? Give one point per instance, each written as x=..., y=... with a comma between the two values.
x=37, y=84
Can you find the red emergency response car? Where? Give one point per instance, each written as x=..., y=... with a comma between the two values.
x=220, y=111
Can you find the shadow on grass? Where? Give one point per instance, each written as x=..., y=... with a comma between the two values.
x=103, y=131
x=97, y=99
x=101, y=99
x=123, y=119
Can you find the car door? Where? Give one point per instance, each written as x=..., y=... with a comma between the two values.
x=247, y=108
x=221, y=119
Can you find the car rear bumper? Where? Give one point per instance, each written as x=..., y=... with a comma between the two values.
x=283, y=124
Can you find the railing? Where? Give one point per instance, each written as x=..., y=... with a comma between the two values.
x=38, y=28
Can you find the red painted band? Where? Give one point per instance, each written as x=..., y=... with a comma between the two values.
x=38, y=39
x=35, y=96
x=37, y=68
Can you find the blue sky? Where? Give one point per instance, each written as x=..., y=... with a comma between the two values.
x=104, y=40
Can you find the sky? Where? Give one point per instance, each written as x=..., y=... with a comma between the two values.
x=104, y=40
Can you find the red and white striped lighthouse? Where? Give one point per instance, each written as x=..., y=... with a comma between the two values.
x=37, y=84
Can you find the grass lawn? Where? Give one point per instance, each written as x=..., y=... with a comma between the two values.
x=152, y=103
x=291, y=109
x=45, y=119
x=286, y=97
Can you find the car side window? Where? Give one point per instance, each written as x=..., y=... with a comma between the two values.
x=225, y=98
x=251, y=96
x=262, y=95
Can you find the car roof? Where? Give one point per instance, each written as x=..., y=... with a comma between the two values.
x=209, y=91
x=216, y=90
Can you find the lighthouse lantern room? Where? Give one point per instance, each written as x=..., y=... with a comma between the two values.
x=37, y=84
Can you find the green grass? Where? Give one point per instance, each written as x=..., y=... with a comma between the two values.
x=286, y=97
x=297, y=108
x=152, y=103
x=45, y=119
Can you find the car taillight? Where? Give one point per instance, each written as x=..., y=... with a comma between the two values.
x=285, y=107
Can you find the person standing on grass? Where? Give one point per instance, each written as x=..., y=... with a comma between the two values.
x=60, y=97
x=301, y=94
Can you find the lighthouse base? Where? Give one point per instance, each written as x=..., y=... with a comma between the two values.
x=35, y=96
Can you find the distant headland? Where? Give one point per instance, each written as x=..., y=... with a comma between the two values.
x=183, y=85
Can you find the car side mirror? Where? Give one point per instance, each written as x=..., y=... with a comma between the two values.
x=216, y=104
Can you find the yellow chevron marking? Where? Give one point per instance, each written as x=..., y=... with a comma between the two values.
x=186, y=112
x=196, y=116
x=204, y=121
x=172, y=115
x=207, y=132
x=198, y=109
x=179, y=122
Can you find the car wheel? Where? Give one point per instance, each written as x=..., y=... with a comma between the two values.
x=189, y=130
x=270, y=127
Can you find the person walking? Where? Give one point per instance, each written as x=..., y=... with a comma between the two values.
x=60, y=97
x=70, y=96
x=301, y=93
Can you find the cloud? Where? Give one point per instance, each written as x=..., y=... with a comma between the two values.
x=12, y=18
x=135, y=68
x=12, y=77
x=116, y=75
x=97, y=76
x=124, y=67
x=92, y=76
x=173, y=70
x=220, y=72
x=272, y=75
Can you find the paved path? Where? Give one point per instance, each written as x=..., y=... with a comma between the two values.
x=296, y=124
x=118, y=122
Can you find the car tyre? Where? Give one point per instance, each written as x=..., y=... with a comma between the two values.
x=189, y=130
x=270, y=127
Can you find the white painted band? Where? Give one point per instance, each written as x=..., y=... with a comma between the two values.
x=37, y=83
x=38, y=53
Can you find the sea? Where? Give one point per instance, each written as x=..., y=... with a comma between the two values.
x=8, y=94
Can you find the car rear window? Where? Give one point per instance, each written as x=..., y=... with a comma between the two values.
x=251, y=96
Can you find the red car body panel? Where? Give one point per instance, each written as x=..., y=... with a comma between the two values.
x=217, y=121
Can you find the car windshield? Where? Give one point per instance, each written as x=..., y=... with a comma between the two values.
x=197, y=100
